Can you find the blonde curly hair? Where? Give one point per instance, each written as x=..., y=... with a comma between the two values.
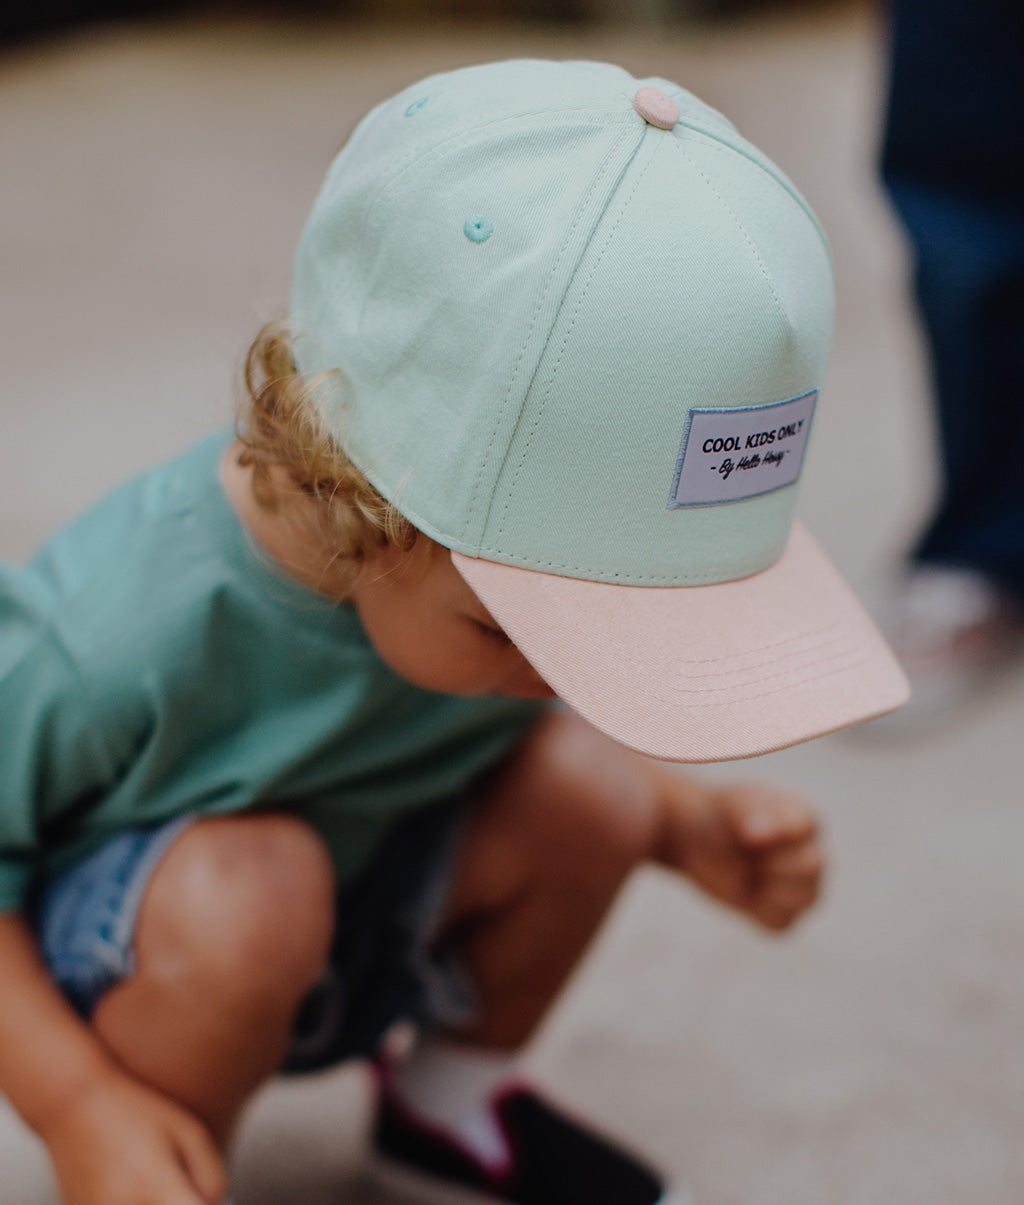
x=300, y=471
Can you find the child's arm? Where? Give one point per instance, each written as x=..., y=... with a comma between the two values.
x=113, y=1140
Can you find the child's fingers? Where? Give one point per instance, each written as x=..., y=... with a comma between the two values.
x=788, y=895
x=790, y=877
x=788, y=882
x=803, y=860
x=774, y=916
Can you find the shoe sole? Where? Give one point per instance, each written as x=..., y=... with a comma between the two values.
x=417, y=1188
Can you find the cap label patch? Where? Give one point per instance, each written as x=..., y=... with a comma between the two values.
x=730, y=454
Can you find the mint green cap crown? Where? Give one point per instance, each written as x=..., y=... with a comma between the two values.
x=523, y=290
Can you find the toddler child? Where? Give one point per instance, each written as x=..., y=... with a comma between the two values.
x=280, y=763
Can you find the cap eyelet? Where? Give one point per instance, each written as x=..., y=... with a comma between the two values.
x=479, y=228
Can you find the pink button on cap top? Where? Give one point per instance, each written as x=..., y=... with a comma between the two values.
x=656, y=108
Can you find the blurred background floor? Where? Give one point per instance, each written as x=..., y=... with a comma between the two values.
x=154, y=179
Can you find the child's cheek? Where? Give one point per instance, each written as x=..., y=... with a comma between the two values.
x=443, y=658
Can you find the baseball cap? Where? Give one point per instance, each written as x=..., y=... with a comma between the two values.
x=576, y=329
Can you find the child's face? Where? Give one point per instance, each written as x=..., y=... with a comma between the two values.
x=430, y=628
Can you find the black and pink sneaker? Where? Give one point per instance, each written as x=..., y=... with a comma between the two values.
x=552, y=1160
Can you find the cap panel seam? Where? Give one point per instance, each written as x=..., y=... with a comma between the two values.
x=720, y=148
x=566, y=242
x=570, y=331
x=723, y=147
x=762, y=266
x=420, y=151
x=697, y=579
x=457, y=543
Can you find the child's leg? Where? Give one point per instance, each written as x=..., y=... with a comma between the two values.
x=558, y=830
x=551, y=839
x=233, y=931
x=555, y=834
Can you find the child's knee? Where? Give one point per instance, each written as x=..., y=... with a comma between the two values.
x=600, y=786
x=575, y=799
x=247, y=901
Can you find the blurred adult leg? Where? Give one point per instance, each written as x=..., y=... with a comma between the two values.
x=954, y=165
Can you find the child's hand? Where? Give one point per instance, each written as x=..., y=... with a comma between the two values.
x=753, y=847
x=121, y=1143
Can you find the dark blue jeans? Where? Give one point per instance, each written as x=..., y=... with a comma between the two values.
x=954, y=165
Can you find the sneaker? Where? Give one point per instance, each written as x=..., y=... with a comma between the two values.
x=954, y=631
x=551, y=1160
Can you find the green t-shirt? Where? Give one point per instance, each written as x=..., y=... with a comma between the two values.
x=153, y=663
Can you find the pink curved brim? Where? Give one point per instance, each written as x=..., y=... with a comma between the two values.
x=701, y=673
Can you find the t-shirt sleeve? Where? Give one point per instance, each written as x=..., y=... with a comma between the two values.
x=51, y=761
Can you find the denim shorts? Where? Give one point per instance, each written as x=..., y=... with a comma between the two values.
x=385, y=965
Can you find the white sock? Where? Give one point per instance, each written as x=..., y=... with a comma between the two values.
x=452, y=1085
